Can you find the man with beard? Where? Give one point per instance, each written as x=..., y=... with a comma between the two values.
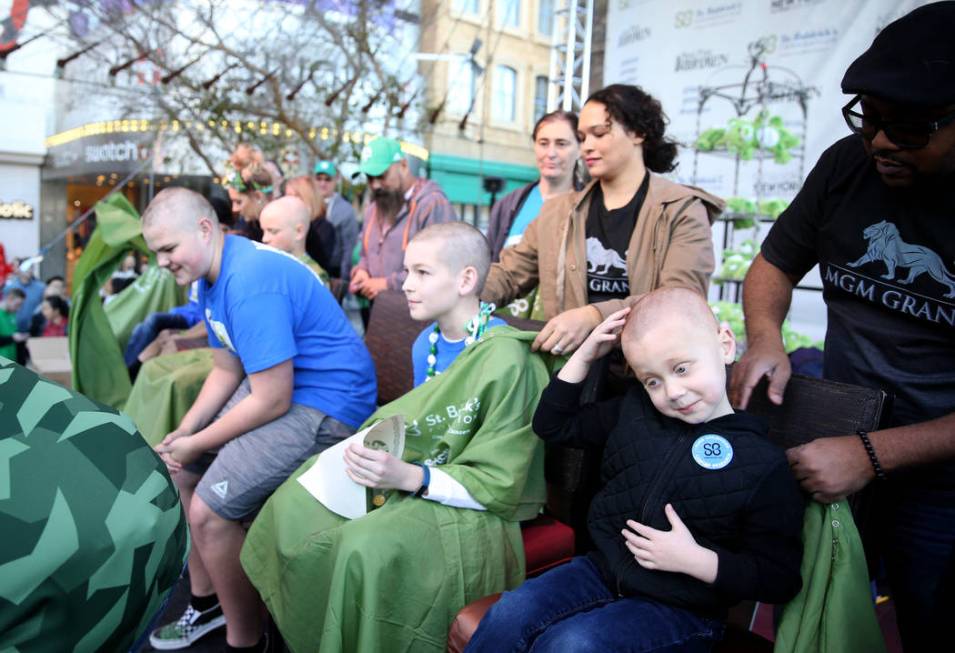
x=402, y=205
x=876, y=215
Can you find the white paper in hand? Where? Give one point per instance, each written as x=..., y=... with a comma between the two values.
x=327, y=481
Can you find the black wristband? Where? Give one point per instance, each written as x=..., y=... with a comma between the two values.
x=870, y=451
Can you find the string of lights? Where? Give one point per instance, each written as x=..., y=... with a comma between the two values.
x=261, y=127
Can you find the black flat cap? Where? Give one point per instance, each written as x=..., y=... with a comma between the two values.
x=911, y=61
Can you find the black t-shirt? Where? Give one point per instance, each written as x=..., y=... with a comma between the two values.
x=608, y=237
x=887, y=261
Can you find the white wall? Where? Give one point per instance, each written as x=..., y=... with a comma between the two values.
x=26, y=116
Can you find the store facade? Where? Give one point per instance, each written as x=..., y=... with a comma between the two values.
x=85, y=164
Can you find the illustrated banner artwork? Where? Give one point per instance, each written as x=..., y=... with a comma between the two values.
x=752, y=90
x=675, y=50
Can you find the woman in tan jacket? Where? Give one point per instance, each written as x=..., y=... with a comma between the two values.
x=628, y=232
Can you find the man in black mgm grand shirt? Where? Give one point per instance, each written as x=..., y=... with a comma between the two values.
x=877, y=214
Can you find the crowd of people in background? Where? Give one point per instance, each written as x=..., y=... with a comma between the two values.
x=31, y=309
x=615, y=261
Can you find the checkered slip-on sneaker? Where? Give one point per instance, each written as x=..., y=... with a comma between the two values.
x=190, y=627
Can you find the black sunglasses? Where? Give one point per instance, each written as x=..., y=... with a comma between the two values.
x=909, y=135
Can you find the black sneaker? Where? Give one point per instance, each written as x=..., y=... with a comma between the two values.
x=191, y=626
x=265, y=648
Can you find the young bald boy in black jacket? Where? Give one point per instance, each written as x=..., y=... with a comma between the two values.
x=698, y=510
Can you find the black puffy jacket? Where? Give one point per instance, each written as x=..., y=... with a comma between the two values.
x=749, y=512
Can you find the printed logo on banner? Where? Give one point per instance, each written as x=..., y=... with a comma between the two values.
x=718, y=13
x=629, y=71
x=633, y=34
x=690, y=105
x=804, y=41
x=776, y=6
x=781, y=188
x=709, y=182
x=700, y=60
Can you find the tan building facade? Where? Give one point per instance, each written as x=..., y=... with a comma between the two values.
x=481, y=109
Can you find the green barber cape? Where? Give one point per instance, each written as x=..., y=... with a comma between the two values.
x=833, y=613
x=93, y=534
x=394, y=579
x=165, y=390
x=95, y=348
x=154, y=291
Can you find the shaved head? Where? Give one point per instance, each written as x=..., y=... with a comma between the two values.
x=178, y=207
x=679, y=306
x=458, y=245
x=182, y=228
x=289, y=211
x=285, y=223
x=679, y=352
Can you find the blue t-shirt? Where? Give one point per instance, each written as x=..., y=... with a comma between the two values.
x=529, y=210
x=448, y=350
x=266, y=307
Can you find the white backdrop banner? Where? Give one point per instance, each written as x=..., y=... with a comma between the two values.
x=751, y=87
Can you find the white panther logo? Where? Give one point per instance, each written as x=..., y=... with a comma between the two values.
x=600, y=257
x=886, y=246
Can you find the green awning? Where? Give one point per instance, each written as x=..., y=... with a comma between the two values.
x=461, y=178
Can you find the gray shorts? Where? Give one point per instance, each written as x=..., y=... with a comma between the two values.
x=238, y=478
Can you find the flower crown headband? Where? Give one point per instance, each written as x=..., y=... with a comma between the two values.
x=242, y=186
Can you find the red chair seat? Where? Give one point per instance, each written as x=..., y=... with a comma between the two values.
x=547, y=543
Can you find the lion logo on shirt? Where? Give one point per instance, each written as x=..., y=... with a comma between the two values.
x=600, y=257
x=886, y=246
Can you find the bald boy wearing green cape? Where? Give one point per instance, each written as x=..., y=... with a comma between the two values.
x=393, y=579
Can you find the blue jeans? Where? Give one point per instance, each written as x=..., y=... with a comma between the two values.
x=571, y=610
x=918, y=542
x=147, y=330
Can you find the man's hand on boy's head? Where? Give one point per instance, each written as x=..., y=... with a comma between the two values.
x=564, y=333
x=379, y=469
x=674, y=550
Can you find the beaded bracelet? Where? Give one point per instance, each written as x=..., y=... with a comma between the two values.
x=870, y=450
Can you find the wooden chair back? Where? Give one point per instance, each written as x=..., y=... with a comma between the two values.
x=391, y=333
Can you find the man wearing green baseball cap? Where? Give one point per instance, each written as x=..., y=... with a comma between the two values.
x=339, y=213
x=402, y=204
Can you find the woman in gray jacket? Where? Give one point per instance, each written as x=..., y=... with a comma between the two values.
x=556, y=151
